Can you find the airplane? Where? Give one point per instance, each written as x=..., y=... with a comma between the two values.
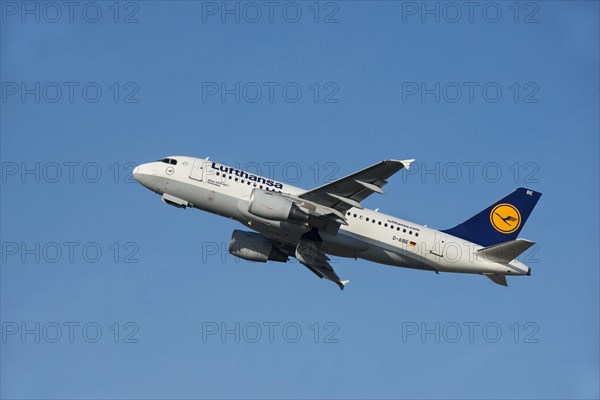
x=310, y=225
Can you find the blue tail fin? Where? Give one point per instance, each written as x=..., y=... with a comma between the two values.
x=500, y=222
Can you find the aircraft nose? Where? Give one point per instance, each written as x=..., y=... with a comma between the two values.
x=145, y=174
x=142, y=172
x=137, y=173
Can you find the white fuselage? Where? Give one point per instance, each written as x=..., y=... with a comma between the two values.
x=369, y=235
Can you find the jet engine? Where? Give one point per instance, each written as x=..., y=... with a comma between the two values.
x=254, y=247
x=272, y=206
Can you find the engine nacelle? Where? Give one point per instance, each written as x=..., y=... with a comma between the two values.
x=272, y=206
x=254, y=247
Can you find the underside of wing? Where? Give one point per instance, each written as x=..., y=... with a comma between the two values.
x=309, y=255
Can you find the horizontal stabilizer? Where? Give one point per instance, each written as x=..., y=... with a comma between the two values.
x=499, y=279
x=505, y=252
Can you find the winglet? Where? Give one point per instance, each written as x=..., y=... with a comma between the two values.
x=407, y=163
x=342, y=284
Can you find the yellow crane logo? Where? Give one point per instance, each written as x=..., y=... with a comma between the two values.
x=505, y=218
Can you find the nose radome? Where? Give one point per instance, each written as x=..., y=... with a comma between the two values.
x=136, y=173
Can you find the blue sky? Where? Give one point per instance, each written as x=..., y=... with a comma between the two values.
x=485, y=102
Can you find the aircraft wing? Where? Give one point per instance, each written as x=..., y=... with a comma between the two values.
x=349, y=191
x=309, y=255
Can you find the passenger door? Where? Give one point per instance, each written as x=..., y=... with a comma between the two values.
x=197, y=172
x=437, y=250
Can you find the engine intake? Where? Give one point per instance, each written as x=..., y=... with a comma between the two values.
x=274, y=207
x=255, y=247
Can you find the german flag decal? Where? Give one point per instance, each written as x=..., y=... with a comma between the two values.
x=412, y=243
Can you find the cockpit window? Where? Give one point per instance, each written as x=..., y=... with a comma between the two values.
x=171, y=161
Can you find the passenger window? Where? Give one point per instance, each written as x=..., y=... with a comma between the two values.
x=367, y=219
x=403, y=230
x=417, y=234
x=410, y=232
x=379, y=222
x=385, y=225
x=354, y=215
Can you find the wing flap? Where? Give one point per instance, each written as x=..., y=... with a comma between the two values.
x=370, y=186
x=350, y=202
x=349, y=191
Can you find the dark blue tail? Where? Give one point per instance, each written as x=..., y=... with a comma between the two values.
x=500, y=222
